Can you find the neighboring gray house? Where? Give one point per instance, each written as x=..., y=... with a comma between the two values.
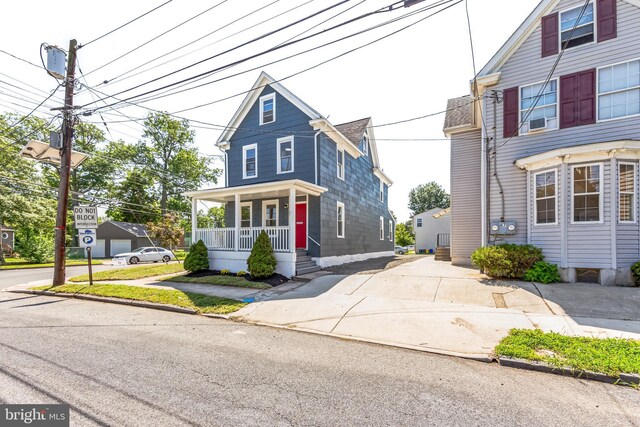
x=428, y=225
x=557, y=164
x=315, y=188
x=114, y=237
x=8, y=239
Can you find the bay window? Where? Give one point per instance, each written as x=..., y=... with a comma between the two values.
x=587, y=193
x=545, y=194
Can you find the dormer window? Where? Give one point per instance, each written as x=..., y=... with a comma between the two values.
x=584, y=31
x=364, y=144
x=268, y=108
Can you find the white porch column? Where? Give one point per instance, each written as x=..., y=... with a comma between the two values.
x=236, y=235
x=194, y=219
x=292, y=219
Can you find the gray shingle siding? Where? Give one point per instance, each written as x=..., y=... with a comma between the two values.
x=360, y=194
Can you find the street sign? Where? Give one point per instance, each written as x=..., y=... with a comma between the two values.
x=87, y=241
x=85, y=217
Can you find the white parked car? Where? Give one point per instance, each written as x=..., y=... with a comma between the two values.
x=147, y=254
x=401, y=250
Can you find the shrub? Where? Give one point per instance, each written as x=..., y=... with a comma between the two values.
x=508, y=261
x=198, y=258
x=225, y=272
x=262, y=262
x=37, y=248
x=241, y=273
x=542, y=272
x=635, y=271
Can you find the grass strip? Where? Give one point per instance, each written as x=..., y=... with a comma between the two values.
x=611, y=356
x=132, y=273
x=239, y=282
x=199, y=302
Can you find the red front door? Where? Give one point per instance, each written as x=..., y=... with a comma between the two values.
x=301, y=225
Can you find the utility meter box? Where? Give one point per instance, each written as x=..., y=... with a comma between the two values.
x=56, y=61
x=499, y=228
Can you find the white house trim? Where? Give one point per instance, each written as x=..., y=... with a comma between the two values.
x=244, y=160
x=600, y=193
x=336, y=136
x=265, y=189
x=330, y=261
x=264, y=211
x=270, y=96
x=278, y=153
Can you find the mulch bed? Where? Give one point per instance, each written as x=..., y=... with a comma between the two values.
x=273, y=280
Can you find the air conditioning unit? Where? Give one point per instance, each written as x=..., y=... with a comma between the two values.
x=537, y=124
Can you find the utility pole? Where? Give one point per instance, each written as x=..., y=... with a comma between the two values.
x=65, y=167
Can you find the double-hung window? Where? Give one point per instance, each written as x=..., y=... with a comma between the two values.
x=390, y=230
x=245, y=215
x=250, y=161
x=381, y=228
x=340, y=219
x=626, y=192
x=619, y=90
x=587, y=193
x=364, y=144
x=268, y=108
x=545, y=193
x=418, y=222
x=340, y=163
x=539, y=106
x=584, y=28
x=270, y=213
x=285, y=154
x=381, y=191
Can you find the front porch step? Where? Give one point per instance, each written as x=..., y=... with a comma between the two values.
x=306, y=270
x=305, y=264
x=303, y=258
x=443, y=253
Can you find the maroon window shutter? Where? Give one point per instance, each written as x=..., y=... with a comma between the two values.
x=607, y=20
x=510, y=114
x=550, y=41
x=578, y=99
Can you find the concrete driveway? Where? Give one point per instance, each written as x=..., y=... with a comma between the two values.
x=433, y=306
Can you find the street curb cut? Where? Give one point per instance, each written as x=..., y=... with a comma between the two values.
x=623, y=379
x=120, y=301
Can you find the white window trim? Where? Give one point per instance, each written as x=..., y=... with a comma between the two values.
x=535, y=199
x=381, y=195
x=418, y=220
x=600, y=198
x=344, y=217
x=264, y=211
x=381, y=228
x=635, y=186
x=595, y=25
x=280, y=141
x=598, y=94
x=262, y=100
x=390, y=234
x=365, y=147
x=250, y=204
x=244, y=160
x=535, y=132
x=340, y=168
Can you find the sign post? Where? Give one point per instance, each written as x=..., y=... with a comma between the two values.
x=88, y=240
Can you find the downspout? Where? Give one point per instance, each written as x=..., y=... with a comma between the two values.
x=315, y=155
x=226, y=169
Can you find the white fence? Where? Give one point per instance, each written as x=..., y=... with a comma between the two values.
x=222, y=239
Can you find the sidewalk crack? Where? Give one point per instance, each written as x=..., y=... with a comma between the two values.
x=345, y=315
x=435, y=295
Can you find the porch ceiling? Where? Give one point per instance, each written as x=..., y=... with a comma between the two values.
x=257, y=191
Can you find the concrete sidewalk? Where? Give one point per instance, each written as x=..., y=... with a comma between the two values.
x=433, y=306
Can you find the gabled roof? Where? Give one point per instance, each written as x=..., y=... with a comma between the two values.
x=137, y=230
x=263, y=80
x=459, y=113
x=522, y=33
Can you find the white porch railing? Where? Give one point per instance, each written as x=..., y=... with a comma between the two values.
x=223, y=239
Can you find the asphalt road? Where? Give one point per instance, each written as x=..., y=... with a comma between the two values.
x=16, y=277
x=120, y=365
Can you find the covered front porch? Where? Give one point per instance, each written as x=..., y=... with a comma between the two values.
x=280, y=208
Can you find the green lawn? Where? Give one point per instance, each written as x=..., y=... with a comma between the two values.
x=21, y=263
x=200, y=303
x=610, y=356
x=181, y=255
x=240, y=282
x=131, y=273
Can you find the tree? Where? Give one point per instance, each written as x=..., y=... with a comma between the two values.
x=169, y=156
x=428, y=196
x=262, y=262
x=214, y=218
x=136, y=197
x=198, y=258
x=403, y=238
x=168, y=230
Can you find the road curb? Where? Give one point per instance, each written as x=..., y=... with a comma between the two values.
x=50, y=266
x=623, y=379
x=121, y=301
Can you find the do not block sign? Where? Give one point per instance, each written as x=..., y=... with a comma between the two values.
x=86, y=216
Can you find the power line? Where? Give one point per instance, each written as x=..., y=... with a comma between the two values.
x=155, y=38
x=125, y=24
x=33, y=111
x=20, y=59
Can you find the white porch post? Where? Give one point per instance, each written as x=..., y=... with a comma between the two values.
x=292, y=219
x=236, y=235
x=194, y=219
